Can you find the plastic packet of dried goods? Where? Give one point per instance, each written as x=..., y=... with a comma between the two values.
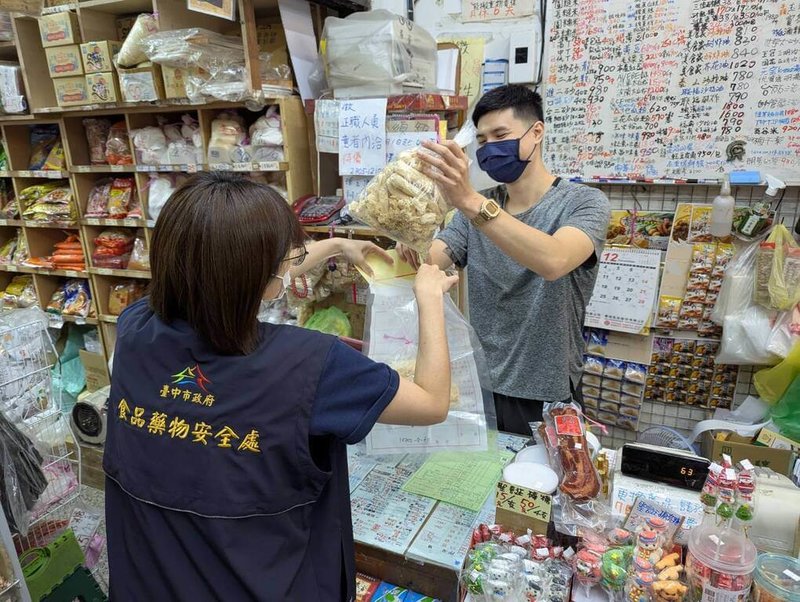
x=96, y=136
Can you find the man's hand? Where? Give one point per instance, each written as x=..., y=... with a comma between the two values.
x=357, y=252
x=448, y=166
x=409, y=255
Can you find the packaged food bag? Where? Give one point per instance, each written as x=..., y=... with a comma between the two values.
x=392, y=337
x=403, y=202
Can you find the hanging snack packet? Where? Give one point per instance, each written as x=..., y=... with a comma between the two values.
x=97, y=205
x=120, y=197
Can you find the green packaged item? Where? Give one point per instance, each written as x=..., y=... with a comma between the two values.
x=330, y=321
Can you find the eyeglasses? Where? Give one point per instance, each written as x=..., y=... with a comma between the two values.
x=286, y=279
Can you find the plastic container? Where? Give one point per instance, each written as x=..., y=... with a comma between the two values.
x=722, y=211
x=537, y=477
x=535, y=453
x=719, y=565
x=776, y=579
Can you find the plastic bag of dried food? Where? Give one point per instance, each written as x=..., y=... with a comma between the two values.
x=120, y=197
x=118, y=146
x=132, y=51
x=55, y=158
x=96, y=136
x=78, y=298
x=392, y=337
x=403, y=203
x=97, y=205
x=331, y=320
x=140, y=258
x=43, y=138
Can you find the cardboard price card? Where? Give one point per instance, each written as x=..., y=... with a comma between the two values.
x=523, y=501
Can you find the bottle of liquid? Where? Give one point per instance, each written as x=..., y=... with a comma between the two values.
x=722, y=211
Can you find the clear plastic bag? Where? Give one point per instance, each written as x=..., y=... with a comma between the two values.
x=377, y=53
x=132, y=51
x=392, y=337
x=785, y=332
x=577, y=500
x=403, y=203
x=97, y=131
x=118, y=146
x=745, y=338
x=738, y=284
x=140, y=257
x=97, y=205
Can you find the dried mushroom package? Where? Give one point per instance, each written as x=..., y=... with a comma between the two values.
x=403, y=203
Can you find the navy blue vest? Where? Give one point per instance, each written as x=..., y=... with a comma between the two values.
x=214, y=489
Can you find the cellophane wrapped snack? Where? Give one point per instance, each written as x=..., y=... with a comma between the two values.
x=112, y=249
x=117, y=147
x=563, y=433
x=140, y=256
x=403, y=203
x=124, y=294
x=97, y=204
x=120, y=197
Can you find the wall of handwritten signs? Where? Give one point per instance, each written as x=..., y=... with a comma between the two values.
x=650, y=89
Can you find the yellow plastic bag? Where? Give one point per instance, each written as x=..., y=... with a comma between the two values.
x=771, y=383
x=784, y=279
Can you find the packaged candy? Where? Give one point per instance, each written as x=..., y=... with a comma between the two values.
x=598, y=339
x=123, y=295
x=42, y=138
x=140, y=259
x=56, y=303
x=592, y=365
x=669, y=311
x=55, y=158
x=634, y=373
x=614, y=369
x=20, y=293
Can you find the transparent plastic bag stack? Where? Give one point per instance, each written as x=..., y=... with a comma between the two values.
x=377, y=53
x=392, y=337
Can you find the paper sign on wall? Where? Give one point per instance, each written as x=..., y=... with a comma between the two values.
x=494, y=10
x=362, y=136
x=326, y=125
x=472, y=50
x=353, y=185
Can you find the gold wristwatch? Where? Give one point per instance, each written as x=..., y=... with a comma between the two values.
x=489, y=210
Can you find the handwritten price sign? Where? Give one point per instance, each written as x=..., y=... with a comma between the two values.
x=523, y=501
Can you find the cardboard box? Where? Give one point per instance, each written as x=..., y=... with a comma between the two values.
x=96, y=369
x=143, y=83
x=769, y=438
x=71, y=91
x=780, y=460
x=97, y=56
x=59, y=29
x=175, y=79
x=102, y=87
x=64, y=61
x=124, y=25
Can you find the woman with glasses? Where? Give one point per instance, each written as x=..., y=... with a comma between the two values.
x=226, y=454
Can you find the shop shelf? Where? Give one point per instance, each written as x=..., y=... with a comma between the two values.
x=120, y=273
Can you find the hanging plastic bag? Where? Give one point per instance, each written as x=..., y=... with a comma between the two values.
x=771, y=383
x=738, y=284
x=785, y=332
x=784, y=279
x=745, y=338
x=577, y=500
x=392, y=337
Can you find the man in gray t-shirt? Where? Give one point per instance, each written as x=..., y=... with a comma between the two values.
x=530, y=248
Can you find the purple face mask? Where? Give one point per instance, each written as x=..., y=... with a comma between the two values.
x=501, y=159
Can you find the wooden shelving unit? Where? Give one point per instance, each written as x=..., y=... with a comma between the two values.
x=97, y=21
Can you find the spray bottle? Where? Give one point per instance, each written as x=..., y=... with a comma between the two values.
x=761, y=213
x=722, y=211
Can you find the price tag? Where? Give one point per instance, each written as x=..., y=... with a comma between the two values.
x=715, y=468
x=105, y=272
x=80, y=321
x=191, y=169
x=730, y=474
x=727, y=460
x=118, y=167
x=26, y=174
x=165, y=168
x=242, y=167
x=746, y=464
x=268, y=166
x=524, y=501
x=569, y=553
x=81, y=168
x=55, y=321
x=3, y=222
x=220, y=166
x=71, y=274
x=542, y=552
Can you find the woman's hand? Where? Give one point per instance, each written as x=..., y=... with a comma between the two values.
x=409, y=255
x=432, y=282
x=357, y=252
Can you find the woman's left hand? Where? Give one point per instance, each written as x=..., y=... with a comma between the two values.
x=356, y=252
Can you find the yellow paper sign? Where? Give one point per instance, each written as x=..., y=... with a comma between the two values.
x=471, y=64
x=385, y=271
x=523, y=501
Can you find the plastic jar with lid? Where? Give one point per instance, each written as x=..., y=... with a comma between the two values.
x=719, y=565
x=776, y=579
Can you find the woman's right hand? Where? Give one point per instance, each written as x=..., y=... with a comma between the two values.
x=433, y=281
x=409, y=255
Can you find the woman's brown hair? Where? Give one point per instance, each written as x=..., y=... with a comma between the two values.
x=219, y=240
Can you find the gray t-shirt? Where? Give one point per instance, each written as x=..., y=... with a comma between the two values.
x=530, y=328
